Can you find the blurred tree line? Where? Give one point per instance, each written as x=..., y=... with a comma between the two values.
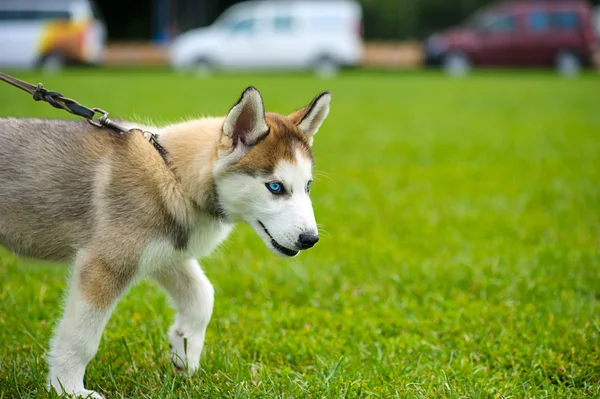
x=383, y=19
x=414, y=19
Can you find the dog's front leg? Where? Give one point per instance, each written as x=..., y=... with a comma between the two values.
x=94, y=290
x=193, y=297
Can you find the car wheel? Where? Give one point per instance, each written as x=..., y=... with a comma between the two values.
x=568, y=64
x=457, y=64
x=52, y=63
x=325, y=67
x=203, y=68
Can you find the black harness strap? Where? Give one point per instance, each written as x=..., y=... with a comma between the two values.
x=57, y=100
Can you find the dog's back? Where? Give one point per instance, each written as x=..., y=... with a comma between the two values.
x=46, y=184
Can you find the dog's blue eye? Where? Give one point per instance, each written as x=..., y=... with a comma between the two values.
x=308, y=186
x=275, y=187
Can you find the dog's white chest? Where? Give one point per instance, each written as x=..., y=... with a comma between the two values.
x=160, y=252
x=207, y=237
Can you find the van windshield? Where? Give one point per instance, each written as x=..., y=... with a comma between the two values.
x=233, y=15
x=481, y=20
x=493, y=22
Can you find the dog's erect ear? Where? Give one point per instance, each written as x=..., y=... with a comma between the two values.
x=310, y=118
x=246, y=124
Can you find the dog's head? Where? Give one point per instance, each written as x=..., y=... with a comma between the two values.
x=264, y=170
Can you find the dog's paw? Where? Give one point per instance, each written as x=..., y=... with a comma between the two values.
x=82, y=394
x=72, y=391
x=185, y=351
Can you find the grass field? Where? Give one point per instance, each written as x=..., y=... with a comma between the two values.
x=461, y=253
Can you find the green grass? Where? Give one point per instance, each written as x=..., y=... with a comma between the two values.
x=461, y=256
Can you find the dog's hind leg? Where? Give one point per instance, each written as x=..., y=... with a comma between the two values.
x=193, y=297
x=94, y=290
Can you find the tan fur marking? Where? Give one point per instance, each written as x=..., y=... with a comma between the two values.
x=101, y=284
x=192, y=151
x=282, y=143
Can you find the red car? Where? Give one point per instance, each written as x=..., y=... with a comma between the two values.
x=519, y=33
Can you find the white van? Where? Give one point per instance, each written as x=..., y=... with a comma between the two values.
x=270, y=34
x=50, y=33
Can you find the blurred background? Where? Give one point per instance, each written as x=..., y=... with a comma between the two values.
x=321, y=35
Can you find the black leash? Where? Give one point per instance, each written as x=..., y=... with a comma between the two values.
x=57, y=100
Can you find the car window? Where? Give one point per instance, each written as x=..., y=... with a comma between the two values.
x=501, y=24
x=242, y=26
x=32, y=15
x=283, y=23
x=541, y=21
x=538, y=21
x=565, y=20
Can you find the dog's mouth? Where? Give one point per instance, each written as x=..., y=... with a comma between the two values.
x=280, y=248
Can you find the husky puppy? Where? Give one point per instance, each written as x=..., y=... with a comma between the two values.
x=110, y=203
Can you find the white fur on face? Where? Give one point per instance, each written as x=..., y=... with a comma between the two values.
x=285, y=217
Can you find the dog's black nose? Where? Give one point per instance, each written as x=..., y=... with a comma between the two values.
x=306, y=241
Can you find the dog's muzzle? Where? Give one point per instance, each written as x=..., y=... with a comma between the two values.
x=285, y=251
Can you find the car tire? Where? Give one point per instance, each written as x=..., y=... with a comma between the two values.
x=568, y=63
x=203, y=68
x=326, y=67
x=52, y=63
x=457, y=64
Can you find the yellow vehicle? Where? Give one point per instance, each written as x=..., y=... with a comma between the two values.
x=50, y=33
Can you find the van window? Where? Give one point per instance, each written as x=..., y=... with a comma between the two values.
x=565, y=20
x=501, y=24
x=283, y=23
x=538, y=21
x=241, y=26
x=32, y=15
